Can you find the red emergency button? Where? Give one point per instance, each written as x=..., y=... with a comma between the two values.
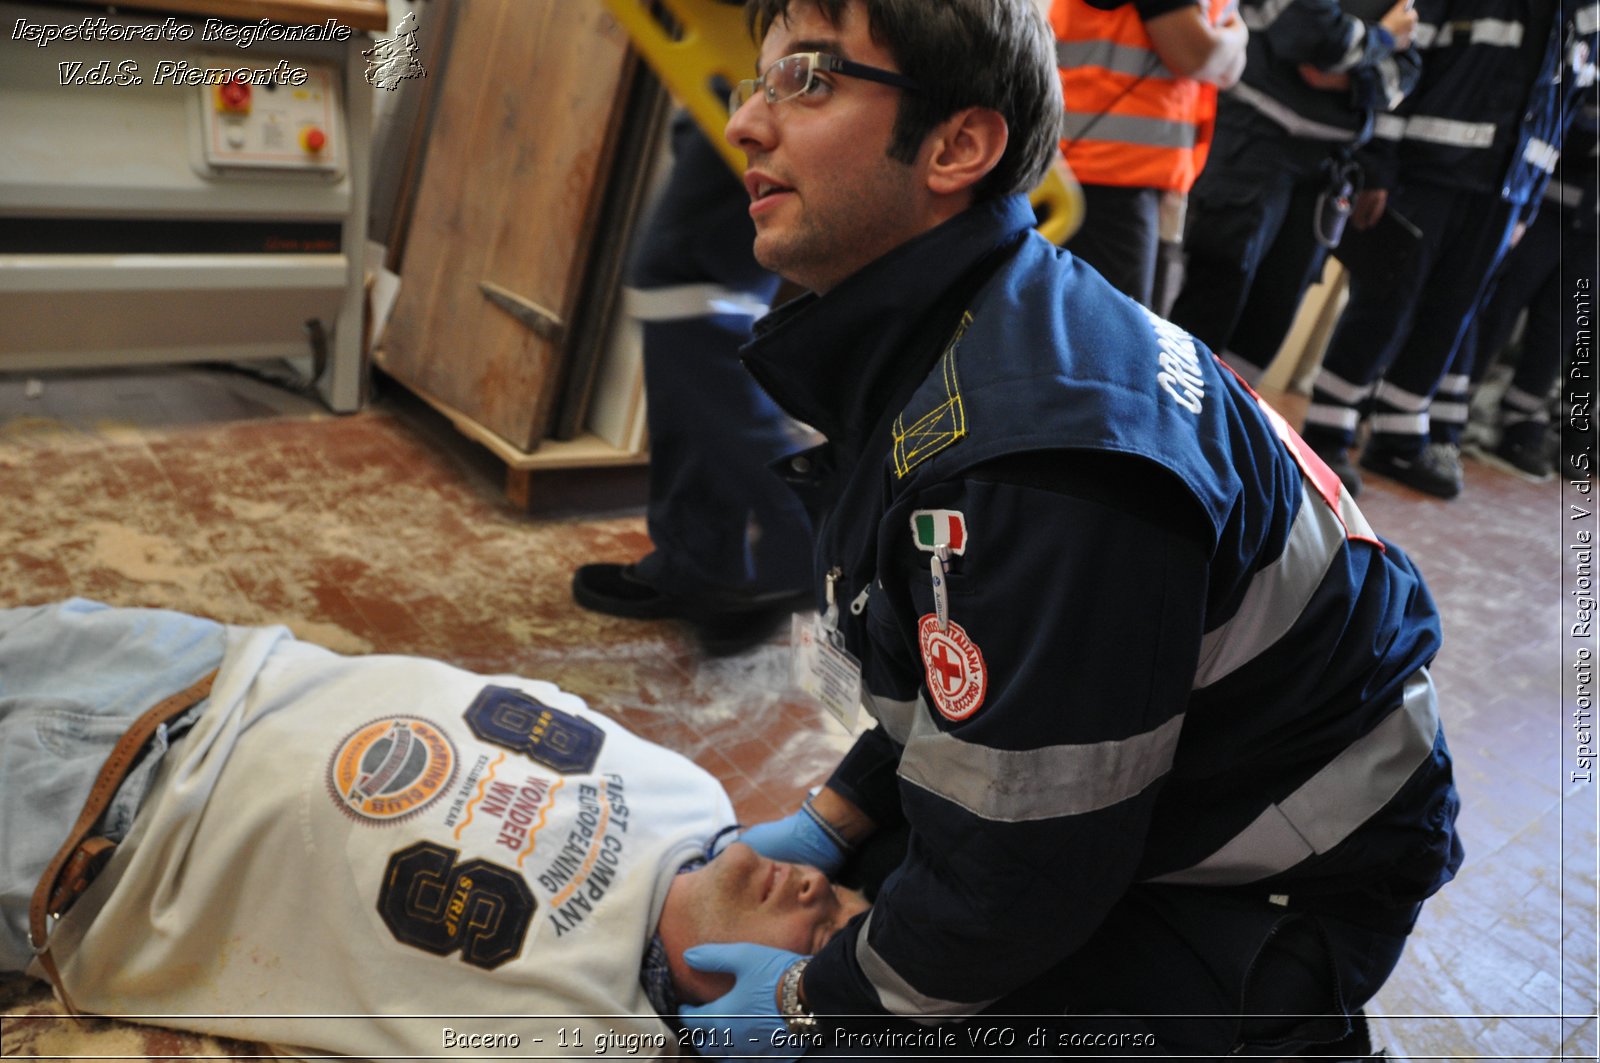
x=313, y=139
x=233, y=96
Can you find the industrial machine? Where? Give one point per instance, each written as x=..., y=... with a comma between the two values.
x=181, y=188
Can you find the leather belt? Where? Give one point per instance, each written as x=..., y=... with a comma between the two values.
x=81, y=857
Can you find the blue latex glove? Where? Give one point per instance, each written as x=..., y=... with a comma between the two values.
x=797, y=839
x=744, y=1022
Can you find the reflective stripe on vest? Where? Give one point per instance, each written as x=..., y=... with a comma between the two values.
x=1332, y=804
x=1494, y=32
x=1294, y=123
x=1434, y=130
x=1127, y=128
x=898, y=996
x=1108, y=55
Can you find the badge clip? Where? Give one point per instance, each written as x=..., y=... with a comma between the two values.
x=938, y=567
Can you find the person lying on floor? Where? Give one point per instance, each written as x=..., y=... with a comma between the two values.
x=367, y=855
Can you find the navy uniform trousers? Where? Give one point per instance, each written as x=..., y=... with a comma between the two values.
x=719, y=519
x=1195, y=973
x=1551, y=274
x=1401, y=340
x=1250, y=245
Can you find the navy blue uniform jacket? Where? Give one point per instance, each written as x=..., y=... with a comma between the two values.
x=1174, y=653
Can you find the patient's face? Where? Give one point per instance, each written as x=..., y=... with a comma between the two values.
x=743, y=896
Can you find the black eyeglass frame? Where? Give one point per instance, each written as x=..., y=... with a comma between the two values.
x=746, y=90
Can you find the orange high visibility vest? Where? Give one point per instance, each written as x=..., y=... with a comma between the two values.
x=1129, y=120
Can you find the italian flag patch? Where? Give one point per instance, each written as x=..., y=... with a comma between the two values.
x=933, y=528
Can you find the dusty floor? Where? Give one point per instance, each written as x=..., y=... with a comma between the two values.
x=385, y=531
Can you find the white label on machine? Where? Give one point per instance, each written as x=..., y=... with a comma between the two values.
x=270, y=114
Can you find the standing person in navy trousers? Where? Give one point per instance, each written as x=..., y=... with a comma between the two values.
x=732, y=546
x=1549, y=274
x=1465, y=160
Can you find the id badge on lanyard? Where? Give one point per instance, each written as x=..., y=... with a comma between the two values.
x=821, y=665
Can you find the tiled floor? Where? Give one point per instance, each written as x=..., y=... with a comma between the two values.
x=213, y=492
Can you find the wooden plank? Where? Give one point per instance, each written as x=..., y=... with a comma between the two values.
x=512, y=184
x=446, y=239
x=638, y=147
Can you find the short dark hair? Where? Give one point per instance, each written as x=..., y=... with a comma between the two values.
x=998, y=54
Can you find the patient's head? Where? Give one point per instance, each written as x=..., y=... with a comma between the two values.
x=742, y=896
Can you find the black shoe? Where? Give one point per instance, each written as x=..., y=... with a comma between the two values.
x=1531, y=463
x=1338, y=459
x=725, y=622
x=618, y=590
x=1434, y=470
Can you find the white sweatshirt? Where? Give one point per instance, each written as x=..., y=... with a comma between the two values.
x=368, y=855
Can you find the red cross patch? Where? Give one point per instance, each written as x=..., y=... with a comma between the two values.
x=956, y=677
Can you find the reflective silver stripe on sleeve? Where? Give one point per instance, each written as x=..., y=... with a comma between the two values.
x=900, y=997
x=1277, y=595
x=1434, y=130
x=1497, y=32
x=1108, y=55
x=1018, y=786
x=1587, y=19
x=896, y=716
x=1388, y=127
x=689, y=300
x=1127, y=129
x=1333, y=803
x=1288, y=119
x=1538, y=153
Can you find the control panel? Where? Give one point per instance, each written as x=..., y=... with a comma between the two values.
x=275, y=116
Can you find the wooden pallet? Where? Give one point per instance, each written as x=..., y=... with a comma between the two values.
x=586, y=451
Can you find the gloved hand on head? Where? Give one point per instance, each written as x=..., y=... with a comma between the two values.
x=743, y=1022
x=802, y=837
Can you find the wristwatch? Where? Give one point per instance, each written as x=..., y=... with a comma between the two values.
x=795, y=1016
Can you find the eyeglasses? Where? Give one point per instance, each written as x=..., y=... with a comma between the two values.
x=796, y=75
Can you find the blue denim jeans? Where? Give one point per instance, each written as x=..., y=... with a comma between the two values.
x=73, y=677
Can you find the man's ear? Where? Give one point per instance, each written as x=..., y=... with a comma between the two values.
x=965, y=147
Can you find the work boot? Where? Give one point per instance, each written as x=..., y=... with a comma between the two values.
x=725, y=622
x=1523, y=458
x=1433, y=470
